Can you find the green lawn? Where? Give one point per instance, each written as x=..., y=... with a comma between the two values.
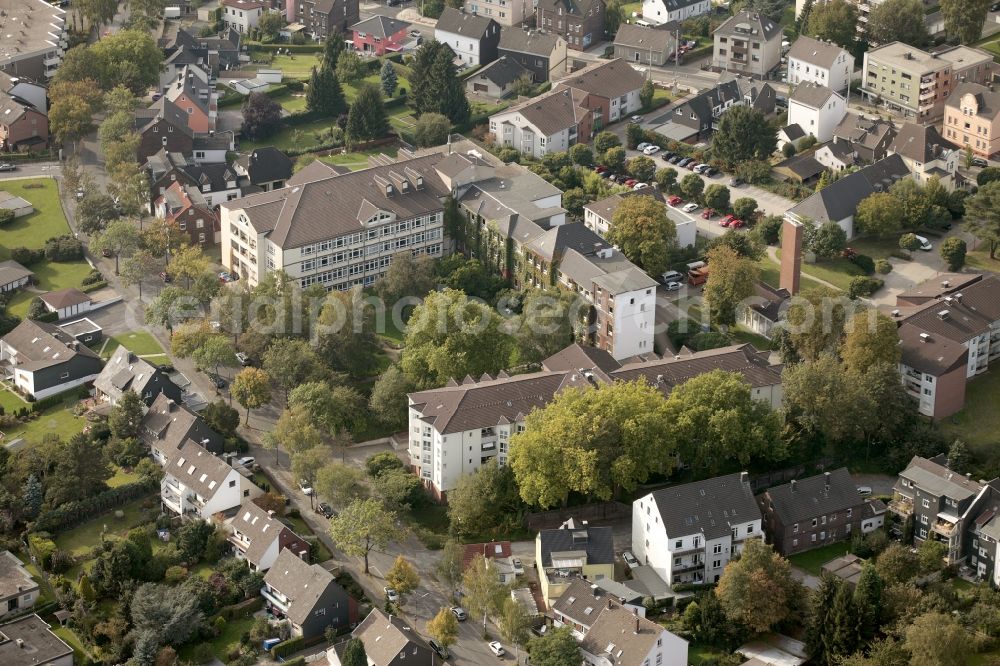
x=300, y=527
x=630, y=7
x=10, y=401
x=137, y=342
x=85, y=537
x=770, y=273
x=289, y=137
x=392, y=332
x=296, y=65
x=758, y=341
x=813, y=560
x=698, y=653
x=226, y=642
x=80, y=654
x=358, y=159
x=122, y=477
x=979, y=421
x=876, y=248
x=980, y=258
x=838, y=272
x=57, y=420
x=293, y=102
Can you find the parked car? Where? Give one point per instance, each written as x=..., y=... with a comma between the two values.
x=166, y=277
x=106, y=253
x=727, y=220
x=497, y=649
x=630, y=182
x=979, y=162
x=636, y=119
x=651, y=150
x=639, y=186
x=675, y=200
x=518, y=567
x=441, y=650
x=8, y=167
x=710, y=172
x=630, y=559
x=736, y=182
x=671, y=276
x=690, y=208
x=684, y=162
x=698, y=168
x=864, y=491
x=325, y=510
x=224, y=276
x=643, y=146
x=414, y=33
x=600, y=168
x=247, y=461
x=737, y=224
x=925, y=244
x=673, y=286
x=708, y=213
x=243, y=359
x=305, y=487
x=459, y=613
x=219, y=382
x=391, y=595
x=675, y=159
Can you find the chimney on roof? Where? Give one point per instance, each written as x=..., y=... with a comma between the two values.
x=945, y=284
x=636, y=611
x=792, y=485
x=744, y=477
x=609, y=603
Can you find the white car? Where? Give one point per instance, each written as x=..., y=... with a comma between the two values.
x=643, y=146
x=305, y=487
x=690, y=208
x=459, y=613
x=864, y=491
x=391, y=595
x=518, y=567
x=925, y=244
x=651, y=150
x=497, y=649
x=630, y=559
x=699, y=168
x=639, y=186
x=247, y=461
x=636, y=119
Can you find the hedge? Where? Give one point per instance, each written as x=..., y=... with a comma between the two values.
x=288, y=647
x=44, y=156
x=47, y=317
x=87, y=288
x=71, y=514
x=58, y=399
x=695, y=54
x=242, y=609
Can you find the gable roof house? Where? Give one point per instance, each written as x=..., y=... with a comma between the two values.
x=18, y=590
x=549, y=123
x=198, y=484
x=67, y=302
x=125, y=371
x=389, y=641
x=611, y=87
x=579, y=22
x=817, y=511
x=193, y=93
x=647, y=46
x=857, y=140
x=926, y=154
x=13, y=275
x=541, y=53
x=23, y=127
x=162, y=126
x=266, y=168
x=688, y=533
x=187, y=207
x=498, y=558
x=473, y=38
x=214, y=53
x=665, y=11
x=496, y=79
x=259, y=536
x=582, y=602
x=573, y=550
x=380, y=34
x=307, y=596
x=823, y=63
x=817, y=109
x=217, y=182
x=695, y=119
x=42, y=360
x=620, y=637
x=168, y=424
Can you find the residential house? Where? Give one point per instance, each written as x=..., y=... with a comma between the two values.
x=35, y=94
x=647, y=46
x=916, y=83
x=790, y=134
x=13, y=276
x=28, y=641
x=665, y=11
x=482, y=415
x=218, y=182
x=187, y=207
x=541, y=53
x=163, y=126
x=474, y=39
x=839, y=201
x=66, y=302
x=23, y=128
x=498, y=558
x=747, y=43
x=266, y=168
x=497, y=79
x=83, y=330
x=817, y=511
x=802, y=169
x=926, y=154
x=389, y=641
x=198, y=484
x=307, y=596
x=823, y=63
x=949, y=330
x=36, y=51
x=18, y=590
x=610, y=89
x=579, y=22
x=857, y=140
x=573, y=550
x=18, y=205
x=193, y=93
x=167, y=424
x=694, y=120
x=549, y=123
x=125, y=371
x=619, y=637
x=379, y=35
x=40, y=360
x=582, y=602
x=972, y=119
x=322, y=18
x=214, y=54
x=211, y=148
x=243, y=15
x=597, y=215
x=816, y=109
x=258, y=536
x=688, y=533
x=508, y=13
x=766, y=308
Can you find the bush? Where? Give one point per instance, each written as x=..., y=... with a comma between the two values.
x=953, y=251
x=901, y=254
x=63, y=248
x=883, y=267
x=6, y=216
x=909, y=242
x=93, y=287
x=26, y=256
x=219, y=625
x=862, y=285
x=175, y=574
x=865, y=263
x=61, y=561
x=202, y=653
x=93, y=277
x=287, y=647
x=509, y=155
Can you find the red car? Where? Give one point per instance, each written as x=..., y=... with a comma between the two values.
x=630, y=182
x=708, y=213
x=600, y=169
x=725, y=222
x=736, y=224
x=675, y=200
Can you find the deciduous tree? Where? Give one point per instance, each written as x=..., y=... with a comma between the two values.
x=290, y=362
x=692, y=186
x=730, y=282
x=898, y=21
x=402, y=577
x=120, y=237
x=641, y=168
x=340, y=483
x=306, y=464
x=363, y=526
x=484, y=594
x=215, y=352
x=556, y=648
x=443, y=627
x=982, y=214
x=829, y=240
x=758, y=591
x=833, y=21
x=815, y=396
x=953, y=252
x=816, y=321
x=431, y=129
x=646, y=236
x=261, y=116
x=743, y=134
x=872, y=338
x=252, y=389
x=717, y=197
x=388, y=399
x=485, y=502
x=937, y=639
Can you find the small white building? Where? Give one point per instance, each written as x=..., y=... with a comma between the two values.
x=474, y=39
x=662, y=11
x=197, y=483
x=823, y=63
x=597, y=216
x=67, y=302
x=816, y=109
x=243, y=15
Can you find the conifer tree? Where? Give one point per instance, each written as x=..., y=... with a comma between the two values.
x=868, y=600
x=367, y=118
x=325, y=95
x=389, y=80
x=332, y=49
x=32, y=496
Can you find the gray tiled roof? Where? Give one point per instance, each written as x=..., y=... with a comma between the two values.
x=11, y=271
x=596, y=542
x=708, y=507
x=266, y=164
x=42, y=345
x=936, y=479
x=816, y=495
x=669, y=371
x=571, y=7
x=391, y=641
x=840, y=199
x=456, y=22
x=501, y=71
x=194, y=466
x=382, y=27
x=583, y=602
x=623, y=638
x=14, y=578
x=528, y=41
x=260, y=527
x=302, y=583
x=168, y=424
x=759, y=25
x=811, y=94
x=550, y=112
x=921, y=143
x=126, y=371
x=815, y=51
x=606, y=78
x=987, y=101
x=793, y=132
x=659, y=39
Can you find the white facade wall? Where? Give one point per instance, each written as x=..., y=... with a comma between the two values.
x=504, y=12
x=243, y=19
x=513, y=130
x=820, y=122
x=25, y=380
x=624, y=106
x=635, y=312
x=671, y=650
x=442, y=459
x=837, y=77
x=655, y=11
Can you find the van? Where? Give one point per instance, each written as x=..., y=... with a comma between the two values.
x=925, y=244
x=644, y=24
x=671, y=276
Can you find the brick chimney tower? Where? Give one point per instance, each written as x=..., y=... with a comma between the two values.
x=791, y=256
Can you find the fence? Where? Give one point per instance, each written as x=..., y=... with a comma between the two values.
x=546, y=520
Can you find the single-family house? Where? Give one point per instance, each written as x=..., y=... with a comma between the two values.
x=497, y=79
x=125, y=371
x=647, y=45
x=162, y=126
x=611, y=90
x=188, y=208
x=67, y=303
x=857, y=140
x=817, y=511
x=766, y=307
x=307, y=596
x=13, y=275
x=217, y=181
x=167, y=424
x=18, y=590
x=573, y=550
x=243, y=15
x=816, y=109
x=27, y=89
x=389, y=641
x=926, y=154
x=695, y=119
x=582, y=602
x=790, y=134
x=379, y=35
x=474, y=39
x=266, y=168
x=665, y=11
x=688, y=533
x=823, y=63
x=259, y=536
x=541, y=53
x=194, y=94
x=972, y=119
x=747, y=43
x=28, y=641
x=198, y=484
x=620, y=637
x=498, y=558
x=40, y=359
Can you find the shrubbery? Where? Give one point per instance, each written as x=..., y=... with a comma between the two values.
x=63, y=248
x=862, y=285
x=865, y=263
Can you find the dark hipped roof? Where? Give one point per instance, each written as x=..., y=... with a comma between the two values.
x=840, y=199
x=822, y=494
x=596, y=542
x=747, y=23
x=11, y=271
x=457, y=22
x=168, y=424
x=65, y=298
x=933, y=354
x=265, y=165
x=162, y=109
x=578, y=357
x=382, y=27
x=583, y=602
x=302, y=583
x=501, y=71
x=670, y=371
x=710, y=507
x=921, y=143
x=609, y=79
x=793, y=132
x=534, y=42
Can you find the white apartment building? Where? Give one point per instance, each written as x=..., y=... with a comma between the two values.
x=243, y=15
x=337, y=229
x=688, y=533
x=597, y=216
x=816, y=109
x=198, y=484
x=505, y=12
x=549, y=123
x=748, y=43
x=819, y=62
x=662, y=11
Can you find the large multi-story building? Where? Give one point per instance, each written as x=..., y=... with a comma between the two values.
x=972, y=119
x=819, y=62
x=505, y=12
x=580, y=23
x=748, y=43
x=32, y=38
x=688, y=533
x=916, y=83
x=322, y=18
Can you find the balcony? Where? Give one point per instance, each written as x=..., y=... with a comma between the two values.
x=687, y=568
x=171, y=501
x=944, y=528
x=924, y=96
x=54, y=61
x=276, y=601
x=901, y=506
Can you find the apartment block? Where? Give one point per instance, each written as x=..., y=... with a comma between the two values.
x=972, y=119
x=917, y=84
x=748, y=43
x=323, y=18
x=507, y=13
x=581, y=23
x=35, y=38
x=823, y=63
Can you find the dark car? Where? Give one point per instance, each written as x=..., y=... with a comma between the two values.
x=219, y=382
x=8, y=167
x=325, y=510
x=106, y=253
x=675, y=159
x=735, y=182
x=441, y=650
x=979, y=162
x=166, y=278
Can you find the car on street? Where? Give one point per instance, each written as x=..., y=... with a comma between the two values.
x=673, y=286
x=497, y=649
x=325, y=510
x=107, y=253
x=639, y=186
x=391, y=595
x=737, y=224
x=979, y=162
x=671, y=276
x=459, y=613
x=690, y=208
x=710, y=172
x=224, y=276
x=651, y=150
x=707, y=214
x=630, y=559
x=735, y=182
x=643, y=146
x=727, y=220
x=7, y=167
x=243, y=359
x=636, y=119
x=305, y=487
x=219, y=382
x=247, y=461
x=700, y=168
x=925, y=244
x=80, y=193
x=864, y=491
x=441, y=650
x=518, y=567
x=675, y=200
